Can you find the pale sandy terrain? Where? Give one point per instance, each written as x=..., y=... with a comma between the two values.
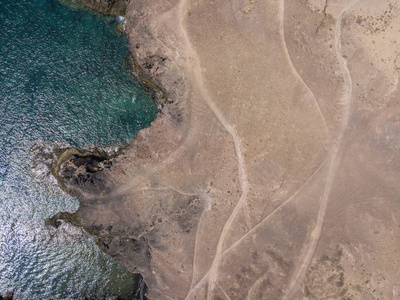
x=275, y=172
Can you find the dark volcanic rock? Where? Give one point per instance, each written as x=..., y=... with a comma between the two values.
x=74, y=219
x=144, y=75
x=9, y=296
x=80, y=172
x=108, y=7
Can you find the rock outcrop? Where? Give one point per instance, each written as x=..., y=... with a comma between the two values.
x=9, y=296
x=109, y=7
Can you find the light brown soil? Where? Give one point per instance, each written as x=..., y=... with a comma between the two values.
x=274, y=172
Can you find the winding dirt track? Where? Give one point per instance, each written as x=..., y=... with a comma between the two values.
x=334, y=155
x=212, y=273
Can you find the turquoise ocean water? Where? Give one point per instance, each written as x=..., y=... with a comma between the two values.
x=62, y=79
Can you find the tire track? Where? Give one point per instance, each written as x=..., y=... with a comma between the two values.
x=212, y=273
x=333, y=166
x=293, y=68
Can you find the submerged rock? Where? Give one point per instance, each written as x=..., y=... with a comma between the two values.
x=9, y=296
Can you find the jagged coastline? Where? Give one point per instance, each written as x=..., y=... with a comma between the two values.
x=142, y=69
x=107, y=7
x=80, y=172
x=90, y=175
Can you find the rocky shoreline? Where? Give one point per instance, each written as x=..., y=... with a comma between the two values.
x=107, y=7
x=80, y=172
x=8, y=296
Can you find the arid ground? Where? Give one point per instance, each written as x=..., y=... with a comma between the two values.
x=273, y=170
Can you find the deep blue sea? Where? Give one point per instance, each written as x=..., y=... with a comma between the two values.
x=62, y=80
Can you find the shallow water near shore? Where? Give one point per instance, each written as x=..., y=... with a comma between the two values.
x=62, y=78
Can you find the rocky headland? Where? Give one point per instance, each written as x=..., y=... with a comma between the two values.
x=272, y=170
x=107, y=7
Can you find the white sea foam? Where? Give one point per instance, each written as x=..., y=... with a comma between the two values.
x=41, y=158
x=122, y=21
x=68, y=233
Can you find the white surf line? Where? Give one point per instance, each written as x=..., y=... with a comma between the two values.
x=243, y=180
x=293, y=68
x=334, y=163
